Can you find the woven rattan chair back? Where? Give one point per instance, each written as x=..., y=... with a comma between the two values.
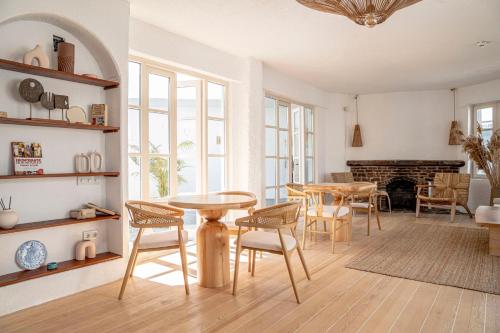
x=279, y=216
x=149, y=215
x=446, y=182
x=342, y=177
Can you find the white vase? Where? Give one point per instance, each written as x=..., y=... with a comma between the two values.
x=8, y=219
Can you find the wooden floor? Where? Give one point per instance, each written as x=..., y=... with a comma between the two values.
x=336, y=300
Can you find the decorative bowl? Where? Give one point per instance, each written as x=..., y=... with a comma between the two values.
x=31, y=255
x=8, y=219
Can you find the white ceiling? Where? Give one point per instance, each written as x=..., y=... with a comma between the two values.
x=430, y=45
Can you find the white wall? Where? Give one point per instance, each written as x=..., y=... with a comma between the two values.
x=101, y=49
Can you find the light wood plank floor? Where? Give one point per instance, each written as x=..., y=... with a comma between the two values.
x=336, y=300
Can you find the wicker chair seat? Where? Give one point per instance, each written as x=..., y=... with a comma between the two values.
x=270, y=241
x=162, y=239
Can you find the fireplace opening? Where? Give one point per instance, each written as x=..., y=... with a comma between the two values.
x=402, y=192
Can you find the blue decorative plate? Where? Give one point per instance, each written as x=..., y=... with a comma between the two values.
x=31, y=255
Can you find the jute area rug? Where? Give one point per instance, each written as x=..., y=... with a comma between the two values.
x=446, y=255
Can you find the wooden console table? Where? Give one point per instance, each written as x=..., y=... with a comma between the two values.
x=488, y=216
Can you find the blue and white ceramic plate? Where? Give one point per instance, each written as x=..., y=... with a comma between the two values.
x=31, y=255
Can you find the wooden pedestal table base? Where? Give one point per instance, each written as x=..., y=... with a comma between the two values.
x=213, y=235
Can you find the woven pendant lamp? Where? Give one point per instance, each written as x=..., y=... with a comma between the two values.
x=456, y=133
x=356, y=138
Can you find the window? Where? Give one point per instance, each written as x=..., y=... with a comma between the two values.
x=289, y=137
x=485, y=116
x=176, y=133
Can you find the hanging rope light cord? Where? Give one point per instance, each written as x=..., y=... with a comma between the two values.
x=356, y=138
x=456, y=134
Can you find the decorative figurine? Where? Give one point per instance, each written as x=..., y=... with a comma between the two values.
x=38, y=54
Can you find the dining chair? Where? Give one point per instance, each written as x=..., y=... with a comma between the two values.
x=339, y=215
x=275, y=219
x=368, y=207
x=233, y=228
x=144, y=215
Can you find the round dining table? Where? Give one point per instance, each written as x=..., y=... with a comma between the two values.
x=348, y=190
x=212, y=235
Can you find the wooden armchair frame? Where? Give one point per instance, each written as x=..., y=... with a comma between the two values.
x=279, y=217
x=145, y=215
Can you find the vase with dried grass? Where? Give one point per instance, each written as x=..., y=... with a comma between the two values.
x=486, y=155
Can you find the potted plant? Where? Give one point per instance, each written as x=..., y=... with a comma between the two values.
x=486, y=155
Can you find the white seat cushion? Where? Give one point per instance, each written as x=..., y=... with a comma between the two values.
x=360, y=205
x=328, y=211
x=267, y=241
x=161, y=239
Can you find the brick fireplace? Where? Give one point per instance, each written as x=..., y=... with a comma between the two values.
x=399, y=177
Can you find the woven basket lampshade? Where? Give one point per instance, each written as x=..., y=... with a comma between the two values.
x=356, y=137
x=456, y=134
x=364, y=12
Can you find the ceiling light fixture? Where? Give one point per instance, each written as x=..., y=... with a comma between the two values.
x=483, y=43
x=364, y=12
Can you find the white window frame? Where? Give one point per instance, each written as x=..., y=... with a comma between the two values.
x=495, y=105
x=147, y=67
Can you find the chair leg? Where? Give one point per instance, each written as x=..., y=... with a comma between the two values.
x=417, y=209
x=288, y=266
x=368, y=224
x=253, y=262
x=237, y=263
x=389, y=202
x=304, y=234
x=131, y=262
x=377, y=215
x=453, y=212
x=334, y=229
x=249, y=260
x=468, y=211
x=133, y=265
x=182, y=250
x=301, y=256
x=324, y=225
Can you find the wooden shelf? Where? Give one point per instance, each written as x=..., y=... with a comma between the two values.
x=55, y=223
x=48, y=123
x=55, y=74
x=64, y=266
x=60, y=175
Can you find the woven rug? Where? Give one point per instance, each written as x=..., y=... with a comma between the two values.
x=446, y=255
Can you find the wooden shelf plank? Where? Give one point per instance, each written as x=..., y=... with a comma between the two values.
x=55, y=74
x=60, y=175
x=55, y=223
x=16, y=277
x=48, y=123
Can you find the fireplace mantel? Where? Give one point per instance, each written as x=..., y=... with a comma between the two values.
x=414, y=163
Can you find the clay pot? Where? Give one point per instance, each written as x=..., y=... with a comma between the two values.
x=8, y=219
x=66, y=57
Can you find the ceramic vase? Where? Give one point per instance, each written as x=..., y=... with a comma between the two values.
x=8, y=219
x=66, y=57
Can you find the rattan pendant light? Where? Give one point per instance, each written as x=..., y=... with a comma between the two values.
x=356, y=137
x=364, y=12
x=456, y=134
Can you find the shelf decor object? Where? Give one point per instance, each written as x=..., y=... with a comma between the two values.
x=55, y=74
x=356, y=138
x=38, y=54
x=66, y=57
x=363, y=12
x=31, y=255
x=456, y=134
x=31, y=91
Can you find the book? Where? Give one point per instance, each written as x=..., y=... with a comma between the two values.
x=99, y=114
x=27, y=158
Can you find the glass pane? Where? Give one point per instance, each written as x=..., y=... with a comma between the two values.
x=216, y=172
x=134, y=178
x=283, y=194
x=159, y=177
x=270, y=109
x=216, y=137
x=134, y=83
x=187, y=145
x=309, y=120
x=283, y=171
x=270, y=196
x=158, y=133
x=134, y=131
x=270, y=142
x=310, y=145
x=158, y=92
x=283, y=109
x=283, y=143
x=309, y=170
x=297, y=171
x=270, y=171
x=215, y=100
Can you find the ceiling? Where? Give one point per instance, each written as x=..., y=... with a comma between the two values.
x=429, y=45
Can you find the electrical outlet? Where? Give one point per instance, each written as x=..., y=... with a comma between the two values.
x=88, y=180
x=90, y=235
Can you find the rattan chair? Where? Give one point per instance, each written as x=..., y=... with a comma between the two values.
x=339, y=215
x=233, y=228
x=448, y=191
x=149, y=215
x=275, y=218
x=368, y=207
x=348, y=177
